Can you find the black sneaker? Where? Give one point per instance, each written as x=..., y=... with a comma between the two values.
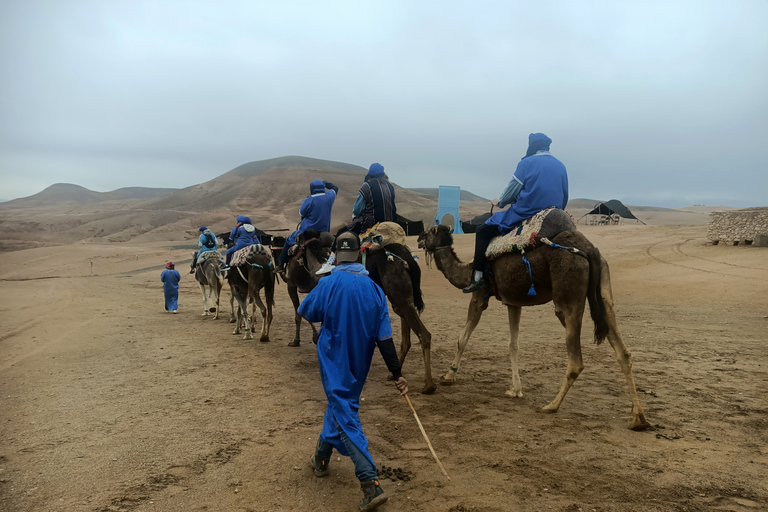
x=319, y=465
x=373, y=495
x=476, y=285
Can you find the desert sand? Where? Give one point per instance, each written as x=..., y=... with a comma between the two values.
x=108, y=403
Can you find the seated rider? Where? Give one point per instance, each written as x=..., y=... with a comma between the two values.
x=242, y=235
x=540, y=181
x=315, y=213
x=375, y=203
x=206, y=242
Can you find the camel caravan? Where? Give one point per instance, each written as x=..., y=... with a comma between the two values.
x=541, y=259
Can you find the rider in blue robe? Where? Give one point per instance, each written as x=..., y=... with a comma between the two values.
x=540, y=181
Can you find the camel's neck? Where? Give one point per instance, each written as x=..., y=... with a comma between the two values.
x=459, y=274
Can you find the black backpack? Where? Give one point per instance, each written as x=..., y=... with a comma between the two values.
x=210, y=241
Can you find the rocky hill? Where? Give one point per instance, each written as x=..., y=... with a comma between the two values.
x=268, y=191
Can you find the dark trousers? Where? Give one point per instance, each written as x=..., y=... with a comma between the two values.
x=283, y=258
x=194, y=260
x=364, y=470
x=483, y=237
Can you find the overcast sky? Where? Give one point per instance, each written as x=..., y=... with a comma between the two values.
x=653, y=103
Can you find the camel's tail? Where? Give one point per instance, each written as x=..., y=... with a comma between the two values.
x=269, y=284
x=415, y=271
x=595, y=297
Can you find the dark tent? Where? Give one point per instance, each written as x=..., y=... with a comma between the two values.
x=411, y=227
x=472, y=225
x=612, y=209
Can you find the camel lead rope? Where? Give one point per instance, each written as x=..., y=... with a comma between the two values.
x=423, y=432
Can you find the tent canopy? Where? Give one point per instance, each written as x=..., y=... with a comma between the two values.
x=611, y=207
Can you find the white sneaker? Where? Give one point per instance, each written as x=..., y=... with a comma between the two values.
x=325, y=269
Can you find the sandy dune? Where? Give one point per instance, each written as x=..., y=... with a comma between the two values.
x=110, y=404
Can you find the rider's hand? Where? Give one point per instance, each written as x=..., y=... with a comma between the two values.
x=495, y=201
x=402, y=385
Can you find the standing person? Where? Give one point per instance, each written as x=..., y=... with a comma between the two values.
x=353, y=310
x=170, y=278
x=540, y=181
x=242, y=235
x=206, y=242
x=315, y=213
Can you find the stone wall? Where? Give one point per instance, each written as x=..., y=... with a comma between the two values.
x=737, y=226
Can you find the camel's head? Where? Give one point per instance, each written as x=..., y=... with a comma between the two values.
x=435, y=237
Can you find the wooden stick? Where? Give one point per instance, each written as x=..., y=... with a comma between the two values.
x=425, y=436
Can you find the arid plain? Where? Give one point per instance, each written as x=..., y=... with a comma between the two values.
x=107, y=403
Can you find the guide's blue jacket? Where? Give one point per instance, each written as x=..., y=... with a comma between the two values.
x=353, y=310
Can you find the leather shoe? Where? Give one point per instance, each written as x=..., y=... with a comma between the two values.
x=475, y=286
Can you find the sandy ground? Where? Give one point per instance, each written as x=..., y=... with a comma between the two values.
x=107, y=403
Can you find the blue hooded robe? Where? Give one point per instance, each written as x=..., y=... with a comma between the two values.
x=315, y=210
x=540, y=181
x=170, y=279
x=354, y=313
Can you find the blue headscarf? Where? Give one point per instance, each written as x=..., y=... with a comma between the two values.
x=375, y=171
x=537, y=142
x=203, y=228
x=316, y=186
x=243, y=219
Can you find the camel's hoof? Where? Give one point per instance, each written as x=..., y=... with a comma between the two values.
x=445, y=381
x=205, y=313
x=264, y=339
x=548, y=410
x=246, y=338
x=231, y=320
x=514, y=394
x=429, y=389
x=639, y=426
x=295, y=343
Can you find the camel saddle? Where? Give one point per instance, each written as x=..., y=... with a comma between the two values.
x=381, y=235
x=206, y=255
x=528, y=234
x=242, y=256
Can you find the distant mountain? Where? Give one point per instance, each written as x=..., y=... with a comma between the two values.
x=464, y=195
x=67, y=193
x=270, y=192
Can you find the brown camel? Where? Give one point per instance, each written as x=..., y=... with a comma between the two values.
x=246, y=282
x=314, y=248
x=397, y=273
x=560, y=276
x=208, y=275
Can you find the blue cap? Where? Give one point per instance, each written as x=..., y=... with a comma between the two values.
x=203, y=228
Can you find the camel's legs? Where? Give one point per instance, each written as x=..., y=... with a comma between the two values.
x=405, y=339
x=216, y=293
x=293, y=293
x=231, y=307
x=513, y=312
x=242, y=314
x=623, y=355
x=573, y=319
x=476, y=307
x=263, y=309
x=205, y=298
x=409, y=319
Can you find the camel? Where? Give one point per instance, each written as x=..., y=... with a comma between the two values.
x=208, y=276
x=566, y=279
x=300, y=277
x=246, y=281
x=399, y=275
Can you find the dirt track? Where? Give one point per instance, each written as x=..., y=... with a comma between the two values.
x=109, y=404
